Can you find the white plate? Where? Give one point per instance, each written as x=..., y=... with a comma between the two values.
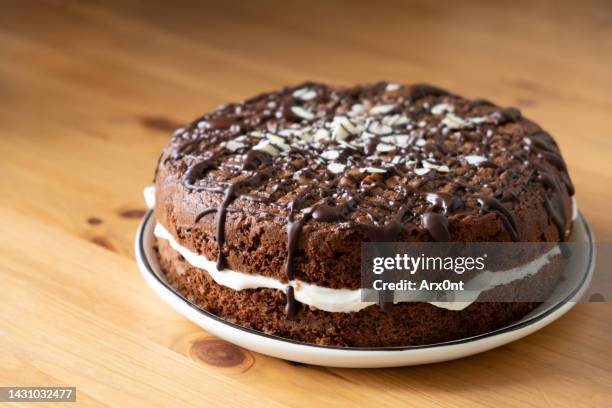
x=360, y=357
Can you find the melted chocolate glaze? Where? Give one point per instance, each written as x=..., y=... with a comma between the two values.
x=291, y=306
x=491, y=204
x=437, y=226
x=318, y=195
x=447, y=202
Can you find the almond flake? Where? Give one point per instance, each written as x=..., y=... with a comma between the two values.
x=392, y=87
x=286, y=132
x=266, y=146
x=441, y=108
x=306, y=137
x=283, y=146
x=384, y=147
x=342, y=128
x=397, y=140
x=322, y=134
x=475, y=160
x=275, y=138
x=395, y=120
x=305, y=94
x=357, y=108
x=478, y=120
x=379, y=129
x=302, y=113
x=336, y=168
x=233, y=145
x=421, y=171
x=348, y=145
x=453, y=121
x=330, y=154
x=440, y=168
x=382, y=109
x=372, y=170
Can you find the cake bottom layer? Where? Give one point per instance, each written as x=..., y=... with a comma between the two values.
x=407, y=324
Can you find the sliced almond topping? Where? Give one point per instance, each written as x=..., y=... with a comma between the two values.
x=395, y=120
x=440, y=168
x=475, y=160
x=322, y=134
x=441, y=108
x=330, y=154
x=336, y=168
x=342, y=128
x=373, y=170
x=234, y=145
x=275, y=138
x=453, y=121
x=305, y=94
x=357, y=108
x=392, y=87
x=397, y=140
x=377, y=128
x=384, y=147
x=266, y=146
x=302, y=113
x=382, y=109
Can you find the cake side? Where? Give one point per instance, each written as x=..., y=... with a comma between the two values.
x=405, y=324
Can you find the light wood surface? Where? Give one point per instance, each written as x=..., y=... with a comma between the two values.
x=89, y=92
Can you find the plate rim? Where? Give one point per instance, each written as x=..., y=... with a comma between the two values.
x=142, y=259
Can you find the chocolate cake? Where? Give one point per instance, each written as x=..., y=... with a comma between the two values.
x=262, y=206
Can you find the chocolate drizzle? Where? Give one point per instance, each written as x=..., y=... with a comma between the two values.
x=437, y=226
x=546, y=150
x=321, y=213
x=197, y=172
x=554, y=202
x=376, y=188
x=291, y=306
x=509, y=114
x=231, y=193
x=447, y=202
x=294, y=229
x=388, y=232
x=491, y=204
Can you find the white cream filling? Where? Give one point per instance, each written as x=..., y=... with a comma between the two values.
x=490, y=279
x=149, y=196
x=331, y=300
x=339, y=300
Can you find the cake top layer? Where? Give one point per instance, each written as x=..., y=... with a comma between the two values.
x=377, y=156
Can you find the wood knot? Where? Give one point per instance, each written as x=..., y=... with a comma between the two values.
x=218, y=353
x=94, y=221
x=132, y=213
x=160, y=123
x=103, y=242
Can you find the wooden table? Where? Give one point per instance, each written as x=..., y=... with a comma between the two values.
x=89, y=95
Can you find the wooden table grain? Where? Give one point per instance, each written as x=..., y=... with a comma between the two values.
x=89, y=93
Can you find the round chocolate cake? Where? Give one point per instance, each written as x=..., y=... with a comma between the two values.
x=262, y=206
